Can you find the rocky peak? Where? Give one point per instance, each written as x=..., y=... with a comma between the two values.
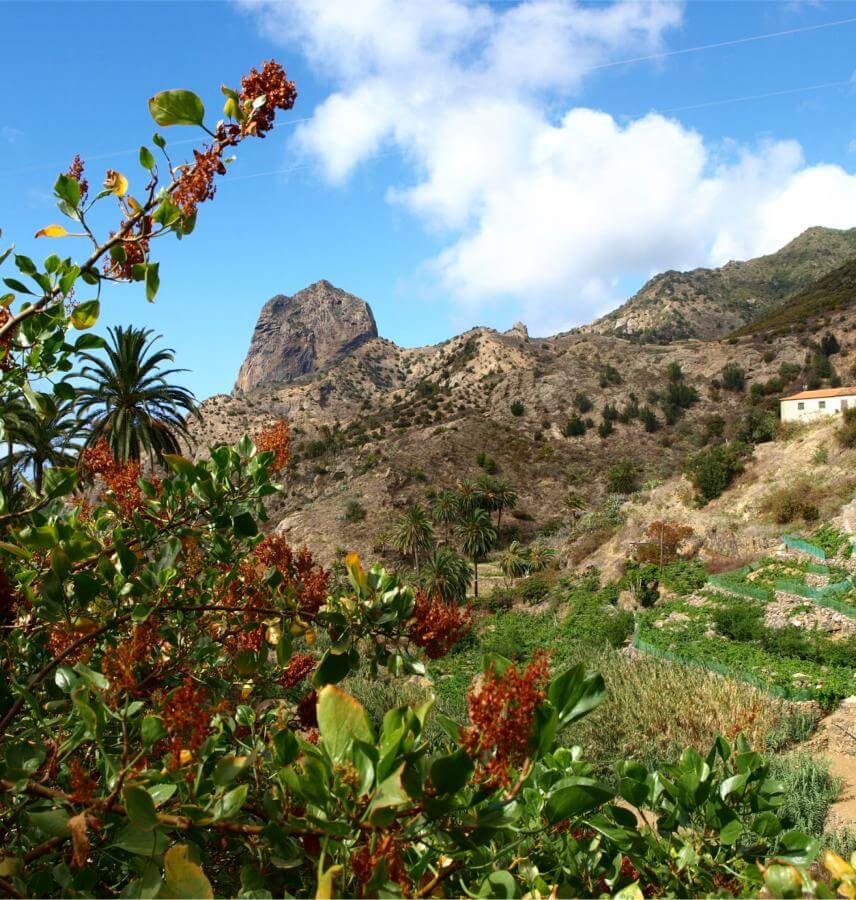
x=518, y=329
x=301, y=334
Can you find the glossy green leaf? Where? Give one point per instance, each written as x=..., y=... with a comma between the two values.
x=177, y=107
x=140, y=807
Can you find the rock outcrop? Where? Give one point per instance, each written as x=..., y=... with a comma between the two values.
x=304, y=333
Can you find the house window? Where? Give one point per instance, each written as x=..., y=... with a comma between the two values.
x=822, y=404
x=800, y=405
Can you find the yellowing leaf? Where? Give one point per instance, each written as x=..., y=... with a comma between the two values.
x=837, y=867
x=325, y=883
x=116, y=183
x=52, y=231
x=183, y=877
x=85, y=315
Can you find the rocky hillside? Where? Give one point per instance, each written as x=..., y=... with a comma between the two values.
x=377, y=427
x=710, y=303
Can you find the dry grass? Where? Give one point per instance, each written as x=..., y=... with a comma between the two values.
x=654, y=708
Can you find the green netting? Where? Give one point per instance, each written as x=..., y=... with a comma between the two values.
x=794, y=543
x=752, y=591
x=822, y=596
x=713, y=666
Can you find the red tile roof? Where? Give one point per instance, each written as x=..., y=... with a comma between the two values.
x=823, y=392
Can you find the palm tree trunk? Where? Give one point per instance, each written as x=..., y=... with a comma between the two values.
x=475, y=578
x=416, y=559
x=39, y=475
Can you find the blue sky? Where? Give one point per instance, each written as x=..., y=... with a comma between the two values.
x=454, y=163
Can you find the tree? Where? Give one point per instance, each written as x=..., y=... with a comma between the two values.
x=468, y=496
x=733, y=377
x=574, y=427
x=574, y=504
x=504, y=497
x=446, y=575
x=412, y=533
x=129, y=400
x=47, y=440
x=623, y=477
x=444, y=509
x=581, y=403
x=516, y=408
x=829, y=344
x=477, y=536
x=711, y=471
x=514, y=561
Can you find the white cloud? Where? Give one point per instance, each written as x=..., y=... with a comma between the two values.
x=541, y=201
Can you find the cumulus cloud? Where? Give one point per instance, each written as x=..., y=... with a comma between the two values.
x=542, y=201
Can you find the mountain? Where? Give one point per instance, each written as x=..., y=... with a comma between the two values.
x=376, y=427
x=834, y=292
x=710, y=303
x=295, y=336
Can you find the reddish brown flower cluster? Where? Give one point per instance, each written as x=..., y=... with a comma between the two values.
x=662, y=542
x=82, y=784
x=6, y=341
x=299, y=666
x=75, y=171
x=278, y=91
x=275, y=438
x=122, y=663
x=307, y=710
x=386, y=851
x=187, y=718
x=502, y=709
x=302, y=576
x=9, y=598
x=196, y=184
x=62, y=635
x=120, y=478
x=437, y=626
x=136, y=247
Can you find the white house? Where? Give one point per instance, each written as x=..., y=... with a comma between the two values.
x=809, y=405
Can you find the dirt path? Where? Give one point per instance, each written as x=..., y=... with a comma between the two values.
x=836, y=740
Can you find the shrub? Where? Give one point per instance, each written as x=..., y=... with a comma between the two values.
x=739, y=620
x=829, y=344
x=488, y=463
x=593, y=620
x=623, y=478
x=757, y=426
x=846, y=434
x=662, y=540
x=733, y=377
x=574, y=427
x=648, y=418
x=643, y=581
x=609, y=375
x=684, y=576
x=581, y=403
x=605, y=428
x=517, y=408
x=795, y=501
x=712, y=471
x=354, y=511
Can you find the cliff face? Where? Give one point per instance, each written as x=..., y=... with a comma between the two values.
x=304, y=333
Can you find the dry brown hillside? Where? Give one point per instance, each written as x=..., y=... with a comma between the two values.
x=381, y=426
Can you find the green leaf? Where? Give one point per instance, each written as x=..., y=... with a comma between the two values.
x=140, y=807
x=147, y=161
x=59, y=481
x=176, y=108
x=244, y=525
x=576, y=797
x=766, y=825
x=229, y=768
x=141, y=842
x=500, y=885
x=181, y=465
x=152, y=281
x=575, y=693
x=64, y=390
x=16, y=285
x=285, y=747
x=284, y=649
x=183, y=878
x=332, y=669
x=231, y=803
x=450, y=773
x=67, y=189
x=52, y=822
x=85, y=314
x=152, y=730
x=341, y=720
x=158, y=140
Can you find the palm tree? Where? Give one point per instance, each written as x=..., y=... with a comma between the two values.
x=468, y=495
x=477, y=536
x=514, y=562
x=446, y=574
x=540, y=556
x=505, y=497
x=14, y=409
x=575, y=505
x=445, y=510
x=130, y=401
x=486, y=492
x=45, y=440
x=412, y=533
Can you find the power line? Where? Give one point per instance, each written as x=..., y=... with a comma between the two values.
x=730, y=43
x=799, y=90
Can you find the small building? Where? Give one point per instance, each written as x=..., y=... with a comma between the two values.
x=807, y=406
